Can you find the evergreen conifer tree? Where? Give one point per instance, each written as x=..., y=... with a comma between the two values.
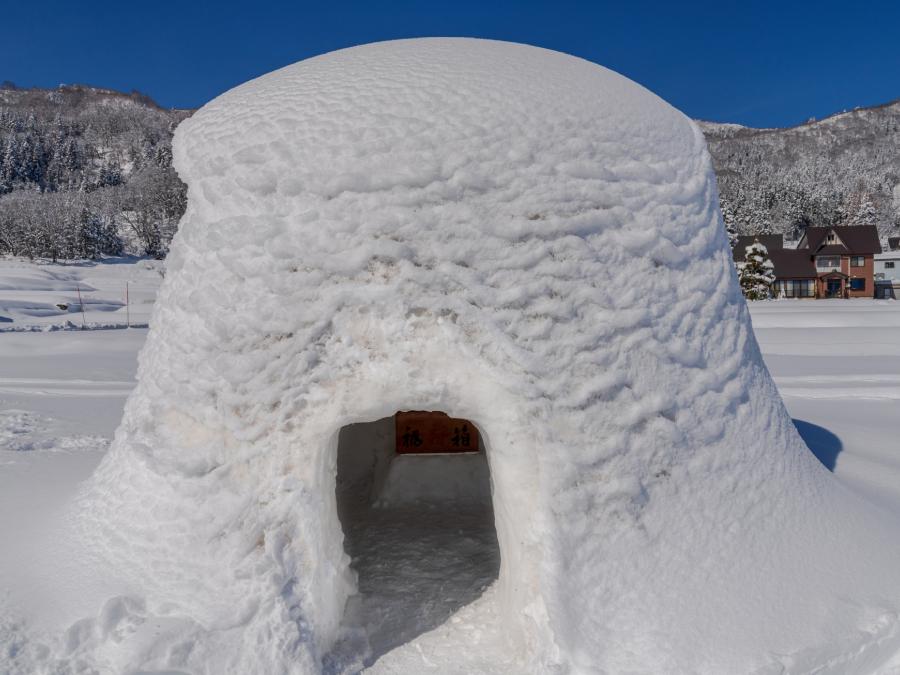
x=756, y=273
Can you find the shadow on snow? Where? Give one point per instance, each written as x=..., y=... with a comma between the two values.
x=823, y=443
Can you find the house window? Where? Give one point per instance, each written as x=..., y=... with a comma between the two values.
x=807, y=288
x=798, y=288
x=857, y=284
x=857, y=261
x=889, y=265
x=828, y=262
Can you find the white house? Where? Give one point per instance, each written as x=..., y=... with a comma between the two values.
x=887, y=274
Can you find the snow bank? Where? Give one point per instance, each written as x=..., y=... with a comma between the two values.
x=513, y=236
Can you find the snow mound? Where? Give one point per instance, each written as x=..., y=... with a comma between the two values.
x=512, y=236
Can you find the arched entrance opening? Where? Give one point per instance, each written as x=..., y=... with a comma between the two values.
x=413, y=494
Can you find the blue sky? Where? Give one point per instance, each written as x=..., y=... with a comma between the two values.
x=756, y=63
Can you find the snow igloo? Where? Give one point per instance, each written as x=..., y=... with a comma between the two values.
x=531, y=245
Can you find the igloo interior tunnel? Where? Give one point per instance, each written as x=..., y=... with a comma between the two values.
x=519, y=239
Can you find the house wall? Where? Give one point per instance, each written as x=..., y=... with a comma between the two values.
x=890, y=274
x=867, y=272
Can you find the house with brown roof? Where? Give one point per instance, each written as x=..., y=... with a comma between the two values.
x=795, y=273
x=829, y=262
x=772, y=242
x=844, y=257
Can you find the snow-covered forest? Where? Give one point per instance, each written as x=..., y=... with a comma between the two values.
x=86, y=171
x=842, y=170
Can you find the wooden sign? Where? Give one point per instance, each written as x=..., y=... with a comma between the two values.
x=432, y=432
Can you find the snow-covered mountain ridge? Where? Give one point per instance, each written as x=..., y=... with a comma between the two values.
x=86, y=171
x=841, y=170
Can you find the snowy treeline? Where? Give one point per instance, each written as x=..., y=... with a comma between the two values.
x=843, y=170
x=86, y=171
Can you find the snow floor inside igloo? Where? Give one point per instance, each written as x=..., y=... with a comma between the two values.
x=419, y=530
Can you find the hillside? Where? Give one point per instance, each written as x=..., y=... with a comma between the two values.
x=844, y=169
x=86, y=171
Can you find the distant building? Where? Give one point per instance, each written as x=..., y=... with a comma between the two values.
x=887, y=272
x=829, y=262
x=844, y=259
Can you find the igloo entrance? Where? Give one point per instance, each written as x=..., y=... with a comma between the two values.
x=418, y=525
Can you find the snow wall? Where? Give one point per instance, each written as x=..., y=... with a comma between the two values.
x=510, y=235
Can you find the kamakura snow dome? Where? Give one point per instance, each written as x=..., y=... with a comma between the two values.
x=512, y=236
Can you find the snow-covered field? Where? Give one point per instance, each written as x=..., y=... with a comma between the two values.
x=47, y=296
x=837, y=365
x=62, y=389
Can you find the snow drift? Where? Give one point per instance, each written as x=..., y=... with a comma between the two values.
x=513, y=236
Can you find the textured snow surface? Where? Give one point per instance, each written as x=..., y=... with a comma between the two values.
x=513, y=236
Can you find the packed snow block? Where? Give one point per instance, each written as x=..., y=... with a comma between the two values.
x=370, y=472
x=364, y=455
x=458, y=479
x=515, y=237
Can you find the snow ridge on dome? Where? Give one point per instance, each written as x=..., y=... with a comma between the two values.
x=515, y=236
